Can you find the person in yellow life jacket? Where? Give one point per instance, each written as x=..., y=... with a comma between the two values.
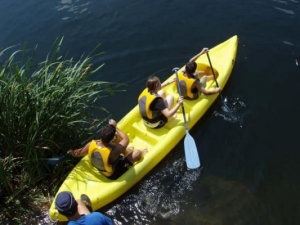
x=111, y=157
x=193, y=82
x=155, y=107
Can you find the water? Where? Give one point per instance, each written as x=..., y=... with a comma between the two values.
x=250, y=154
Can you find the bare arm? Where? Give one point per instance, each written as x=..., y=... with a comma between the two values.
x=80, y=151
x=200, y=53
x=121, y=146
x=168, y=113
x=168, y=82
x=124, y=138
x=206, y=92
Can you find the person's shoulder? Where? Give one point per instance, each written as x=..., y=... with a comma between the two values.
x=157, y=99
x=158, y=102
x=103, y=220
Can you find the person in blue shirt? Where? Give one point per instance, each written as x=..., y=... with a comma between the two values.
x=77, y=212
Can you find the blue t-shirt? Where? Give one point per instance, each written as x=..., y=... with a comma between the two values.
x=94, y=218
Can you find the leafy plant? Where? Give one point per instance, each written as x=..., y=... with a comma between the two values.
x=46, y=108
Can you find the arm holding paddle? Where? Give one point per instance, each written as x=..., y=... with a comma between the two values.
x=168, y=82
x=164, y=104
x=204, y=50
x=168, y=113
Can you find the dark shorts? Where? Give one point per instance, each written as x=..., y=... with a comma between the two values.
x=162, y=121
x=122, y=166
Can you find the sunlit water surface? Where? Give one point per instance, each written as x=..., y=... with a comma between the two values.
x=250, y=153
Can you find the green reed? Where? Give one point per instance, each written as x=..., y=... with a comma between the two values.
x=46, y=108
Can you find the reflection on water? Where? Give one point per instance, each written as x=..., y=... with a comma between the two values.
x=234, y=111
x=73, y=7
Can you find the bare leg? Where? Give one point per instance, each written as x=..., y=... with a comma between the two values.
x=162, y=94
x=128, y=150
x=136, y=155
x=82, y=209
x=169, y=101
x=210, y=77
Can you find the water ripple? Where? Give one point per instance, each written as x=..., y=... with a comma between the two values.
x=283, y=2
x=291, y=12
x=74, y=7
x=159, y=197
x=234, y=113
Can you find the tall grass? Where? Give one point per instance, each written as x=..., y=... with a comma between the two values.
x=46, y=108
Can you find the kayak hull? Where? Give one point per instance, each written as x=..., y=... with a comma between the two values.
x=85, y=179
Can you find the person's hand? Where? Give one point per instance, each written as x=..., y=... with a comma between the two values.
x=218, y=89
x=112, y=122
x=74, y=153
x=174, y=80
x=180, y=100
x=204, y=50
x=70, y=152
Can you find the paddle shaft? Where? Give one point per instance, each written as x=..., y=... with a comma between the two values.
x=179, y=91
x=212, y=69
x=190, y=148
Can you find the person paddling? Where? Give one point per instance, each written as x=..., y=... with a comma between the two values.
x=155, y=107
x=193, y=82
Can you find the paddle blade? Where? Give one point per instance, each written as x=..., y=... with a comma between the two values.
x=191, y=152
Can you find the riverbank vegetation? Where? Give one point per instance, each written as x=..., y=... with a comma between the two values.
x=46, y=108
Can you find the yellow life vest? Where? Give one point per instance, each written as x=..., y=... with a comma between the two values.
x=99, y=157
x=186, y=85
x=145, y=99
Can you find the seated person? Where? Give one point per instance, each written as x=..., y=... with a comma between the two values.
x=155, y=107
x=105, y=154
x=189, y=82
x=77, y=211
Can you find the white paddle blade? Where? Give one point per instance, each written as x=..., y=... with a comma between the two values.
x=191, y=152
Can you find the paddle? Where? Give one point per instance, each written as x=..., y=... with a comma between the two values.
x=212, y=69
x=54, y=160
x=190, y=149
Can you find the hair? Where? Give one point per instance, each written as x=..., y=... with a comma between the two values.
x=152, y=83
x=190, y=67
x=107, y=133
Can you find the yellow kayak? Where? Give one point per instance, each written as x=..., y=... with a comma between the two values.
x=85, y=179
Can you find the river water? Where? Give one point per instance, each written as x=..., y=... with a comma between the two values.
x=250, y=159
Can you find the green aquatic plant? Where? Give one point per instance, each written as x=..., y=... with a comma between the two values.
x=46, y=108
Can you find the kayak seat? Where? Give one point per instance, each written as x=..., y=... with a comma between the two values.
x=151, y=136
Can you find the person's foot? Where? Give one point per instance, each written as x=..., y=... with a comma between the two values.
x=87, y=201
x=144, y=151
